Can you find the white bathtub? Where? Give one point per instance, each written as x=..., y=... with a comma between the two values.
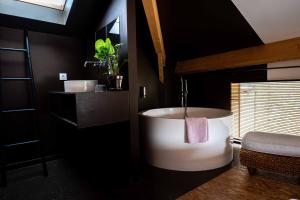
x=164, y=139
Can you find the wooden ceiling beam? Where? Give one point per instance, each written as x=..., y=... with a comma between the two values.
x=262, y=54
x=152, y=16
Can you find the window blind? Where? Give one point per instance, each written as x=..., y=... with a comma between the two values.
x=266, y=106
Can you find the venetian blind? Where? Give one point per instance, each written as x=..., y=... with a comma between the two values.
x=266, y=106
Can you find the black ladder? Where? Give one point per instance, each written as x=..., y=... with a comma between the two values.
x=5, y=147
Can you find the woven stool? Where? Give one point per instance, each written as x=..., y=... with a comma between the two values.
x=272, y=152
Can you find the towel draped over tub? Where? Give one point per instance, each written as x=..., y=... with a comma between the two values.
x=197, y=130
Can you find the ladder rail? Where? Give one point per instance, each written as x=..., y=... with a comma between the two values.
x=29, y=67
x=2, y=151
x=35, y=103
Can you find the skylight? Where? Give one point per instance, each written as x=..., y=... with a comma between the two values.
x=56, y=4
x=52, y=11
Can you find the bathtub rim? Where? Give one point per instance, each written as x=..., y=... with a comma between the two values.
x=141, y=113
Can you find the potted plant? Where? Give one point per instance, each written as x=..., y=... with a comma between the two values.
x=108, y=55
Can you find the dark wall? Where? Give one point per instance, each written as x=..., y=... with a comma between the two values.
x=51, y=54
x=147, y=63
x=194, y=29
x=110, y=11
x=213, y=89
x=167, y=14
x=55, y=49
x=208, y=27
x=113, y=10
x=92, y=140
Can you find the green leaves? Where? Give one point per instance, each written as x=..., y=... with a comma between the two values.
x=103, y=49
x=99, y=44
x=118, y=46
x=109, y=54
x=110, y=47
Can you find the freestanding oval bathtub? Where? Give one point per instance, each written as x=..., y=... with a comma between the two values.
x=164, y=139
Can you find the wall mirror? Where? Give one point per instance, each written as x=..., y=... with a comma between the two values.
x=111, y=31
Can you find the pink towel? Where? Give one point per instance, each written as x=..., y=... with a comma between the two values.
x=197, y=130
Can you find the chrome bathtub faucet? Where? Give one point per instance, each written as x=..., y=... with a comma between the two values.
x=184, y=94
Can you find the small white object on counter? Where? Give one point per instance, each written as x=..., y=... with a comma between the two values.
x=100, y=88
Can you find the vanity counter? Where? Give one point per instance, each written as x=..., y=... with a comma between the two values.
x=90, y=109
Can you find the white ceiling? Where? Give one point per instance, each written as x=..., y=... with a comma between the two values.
x=272, y=20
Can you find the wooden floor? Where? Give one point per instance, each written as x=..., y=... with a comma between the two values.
x=237, y=184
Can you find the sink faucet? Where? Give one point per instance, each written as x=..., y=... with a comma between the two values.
x=184, y=93
x=94, y=63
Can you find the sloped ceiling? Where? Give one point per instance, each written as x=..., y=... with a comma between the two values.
x=272, y=20
x=198, y=28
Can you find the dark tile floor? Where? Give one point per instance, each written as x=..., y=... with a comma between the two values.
x=68, y=180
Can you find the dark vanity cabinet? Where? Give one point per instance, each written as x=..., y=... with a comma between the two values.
x=90, y=109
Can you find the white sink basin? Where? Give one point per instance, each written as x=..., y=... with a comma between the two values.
x=80, y=85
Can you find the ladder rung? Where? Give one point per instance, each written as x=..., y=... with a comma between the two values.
x=19, y=110
x=20, y=143
x=12, y=49
x=15, y=78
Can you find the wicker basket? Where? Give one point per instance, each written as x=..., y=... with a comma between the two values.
x=270, y=162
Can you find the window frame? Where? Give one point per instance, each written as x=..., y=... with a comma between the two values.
x=36, y=4
x=35, y=12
